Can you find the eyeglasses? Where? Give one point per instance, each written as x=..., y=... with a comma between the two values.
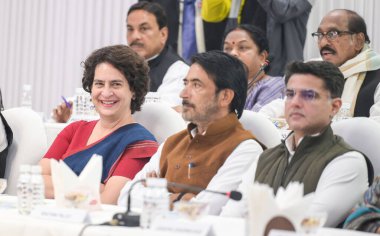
x=306, y=94
x=330, y=35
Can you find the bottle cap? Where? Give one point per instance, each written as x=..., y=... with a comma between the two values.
x=36, y=169
x=25, y=168
x=27, y=87
x=80, y=91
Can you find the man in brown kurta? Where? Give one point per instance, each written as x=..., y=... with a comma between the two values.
x=214, y=150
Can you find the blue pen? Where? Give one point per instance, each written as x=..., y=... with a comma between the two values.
x=66, y=102
x=189, y=167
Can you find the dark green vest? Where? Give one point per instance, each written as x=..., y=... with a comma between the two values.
x=311, y=157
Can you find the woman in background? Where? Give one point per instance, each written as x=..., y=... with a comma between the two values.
x=250, y=45
x=117, y=79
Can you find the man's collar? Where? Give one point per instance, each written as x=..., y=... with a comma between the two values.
x=290, y=140
x=216, y=127
x=155, y=56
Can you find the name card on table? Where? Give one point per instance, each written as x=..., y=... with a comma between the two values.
x=61, y=214
x=183, y=226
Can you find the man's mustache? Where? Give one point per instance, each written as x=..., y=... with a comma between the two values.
x=327, y=48
x=136, y=43
x=186, y=103
x=296, y=111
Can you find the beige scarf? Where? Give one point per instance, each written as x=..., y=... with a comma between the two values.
x=354, y=72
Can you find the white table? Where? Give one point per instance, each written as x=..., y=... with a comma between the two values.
x=13, y=224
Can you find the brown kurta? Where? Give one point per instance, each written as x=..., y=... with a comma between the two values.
x=206, y=153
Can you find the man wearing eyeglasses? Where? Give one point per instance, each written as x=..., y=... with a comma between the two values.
x=312, y=154
x=342, y=40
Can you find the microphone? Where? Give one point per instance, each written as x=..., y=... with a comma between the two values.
x=234, y=195
x=262, y=68
x=131, y=219
x=127, y=218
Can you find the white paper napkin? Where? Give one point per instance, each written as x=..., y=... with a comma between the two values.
x=74, y=191
x=263, y=206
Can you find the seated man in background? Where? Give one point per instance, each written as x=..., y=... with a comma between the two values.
x=312, y=154
x=147, y=33
x=117, y=79
x=215, y=149
x=6, y=137
x=343, y=40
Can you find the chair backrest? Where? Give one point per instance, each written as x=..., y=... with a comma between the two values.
x=160, y=119
x=29, y=143
x=52, y=130
x=363, y=134
x=261, y=127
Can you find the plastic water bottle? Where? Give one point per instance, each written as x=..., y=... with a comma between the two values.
x=155, y=201
x=24, y=190
x=38, y=187
x=26, y=98
x=79, y=104
x=83, y=108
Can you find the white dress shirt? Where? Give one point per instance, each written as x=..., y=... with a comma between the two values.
x=340, y=187
x=172, y=83
x=3, y=137
x=226, y=179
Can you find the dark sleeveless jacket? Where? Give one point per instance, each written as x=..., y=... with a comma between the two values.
x=4, y=153
x=160, y=65
x=365, y=98
x=311, y=157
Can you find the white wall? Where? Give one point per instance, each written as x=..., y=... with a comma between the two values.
x=42, y=42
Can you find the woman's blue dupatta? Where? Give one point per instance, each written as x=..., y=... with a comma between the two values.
x=110, y=148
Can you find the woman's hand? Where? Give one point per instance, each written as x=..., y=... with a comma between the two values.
x=62, y=113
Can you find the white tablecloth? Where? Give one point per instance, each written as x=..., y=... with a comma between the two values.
x=13, y=224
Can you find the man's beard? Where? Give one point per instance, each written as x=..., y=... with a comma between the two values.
x=203, y=114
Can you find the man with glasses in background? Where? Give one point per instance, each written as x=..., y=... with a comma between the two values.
x=147, y=35
x=342, y=40
x=311, y=153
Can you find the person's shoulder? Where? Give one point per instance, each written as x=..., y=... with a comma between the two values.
x=352, y=156
x=140, y=128
x=273, y=82
x=81, y=124
x=175, y=138
x=251, y=144
x=178, y=67
x=180, y=63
